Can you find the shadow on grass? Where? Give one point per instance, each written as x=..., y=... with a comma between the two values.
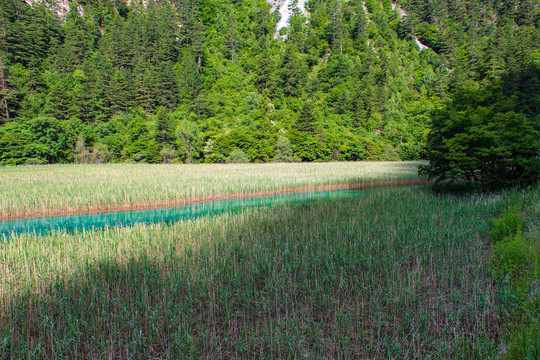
x=306, y=281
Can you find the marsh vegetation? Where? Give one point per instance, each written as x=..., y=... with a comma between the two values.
x=397, y=273
x=42, y=190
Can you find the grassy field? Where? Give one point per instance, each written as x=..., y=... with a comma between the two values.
x=399, y=273
x=395, y=274
x=43, y=190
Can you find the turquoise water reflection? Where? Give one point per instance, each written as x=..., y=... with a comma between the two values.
x=43, y=226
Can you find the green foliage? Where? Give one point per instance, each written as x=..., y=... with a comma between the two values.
x=283, y=151
x=214, y=159
x=409, y=151
x=100, y=153
x=373, y=150
x=190, y=142
x=256, y=146
x=515, y=263
x=168, y=154
x=353, y=72
x=510, y=256
x=389, y=154
x=508, y=225
x=479, y=138
x=306, y=120
x=525, y=343
x=237, y=156
x=151, y=152
x=40, y=140
x=309, y=148
x=81, y=153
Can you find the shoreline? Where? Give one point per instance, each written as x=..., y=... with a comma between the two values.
x=100, y=209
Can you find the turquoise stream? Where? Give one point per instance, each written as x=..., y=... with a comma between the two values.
x=72, y=223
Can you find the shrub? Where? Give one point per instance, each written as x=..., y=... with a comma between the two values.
x=509, y=224
x=214, y=159
x=510, y=256
x=237, y=156
x=101, y=154
x=35, y=161
x=514, y=263
x=389, y=154
x=168, y=153
x=283, y=151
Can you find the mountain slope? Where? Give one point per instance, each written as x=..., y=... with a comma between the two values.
x=347, y=80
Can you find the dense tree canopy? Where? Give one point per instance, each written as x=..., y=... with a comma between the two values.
x=195, y=80
x=482, y=137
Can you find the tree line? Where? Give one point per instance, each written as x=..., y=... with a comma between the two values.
x=196, y=80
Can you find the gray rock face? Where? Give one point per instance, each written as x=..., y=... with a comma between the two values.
x=286, y=9
x=60, y=7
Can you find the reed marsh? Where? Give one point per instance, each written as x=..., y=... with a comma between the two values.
x=57, y=189
x=395, y=274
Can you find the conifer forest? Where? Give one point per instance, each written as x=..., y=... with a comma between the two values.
x=190, y=81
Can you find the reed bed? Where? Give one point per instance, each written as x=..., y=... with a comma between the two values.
x=56, y=189
x=395, y=274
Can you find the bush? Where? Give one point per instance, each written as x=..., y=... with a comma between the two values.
x=515, y=265
x=34, y=161
x=138, y=157
x=389, y=154
x=510, y=256
x=101, y=154
x=237, y=156
x=168, y=153
x=214, y=159
x=510, y=224
x=283, y=151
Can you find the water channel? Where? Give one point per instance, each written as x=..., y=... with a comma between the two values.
x=72, y=223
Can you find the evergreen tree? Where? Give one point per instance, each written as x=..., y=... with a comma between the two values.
x=283, y=151
x=215, y=69
x=4, y=91
x=306, y=120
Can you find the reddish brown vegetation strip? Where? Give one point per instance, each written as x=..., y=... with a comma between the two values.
x=98, y=209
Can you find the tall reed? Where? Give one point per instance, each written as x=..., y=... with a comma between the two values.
x=395, y=274
x=42, y=190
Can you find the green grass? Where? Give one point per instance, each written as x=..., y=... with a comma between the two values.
x=515, y=264
x=396, y=274
x=42, y=190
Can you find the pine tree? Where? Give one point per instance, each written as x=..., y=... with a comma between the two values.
x=4, y=91
x=306, y=120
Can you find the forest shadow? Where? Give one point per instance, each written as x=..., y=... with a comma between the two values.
x=271, y=283
x=209, y=301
